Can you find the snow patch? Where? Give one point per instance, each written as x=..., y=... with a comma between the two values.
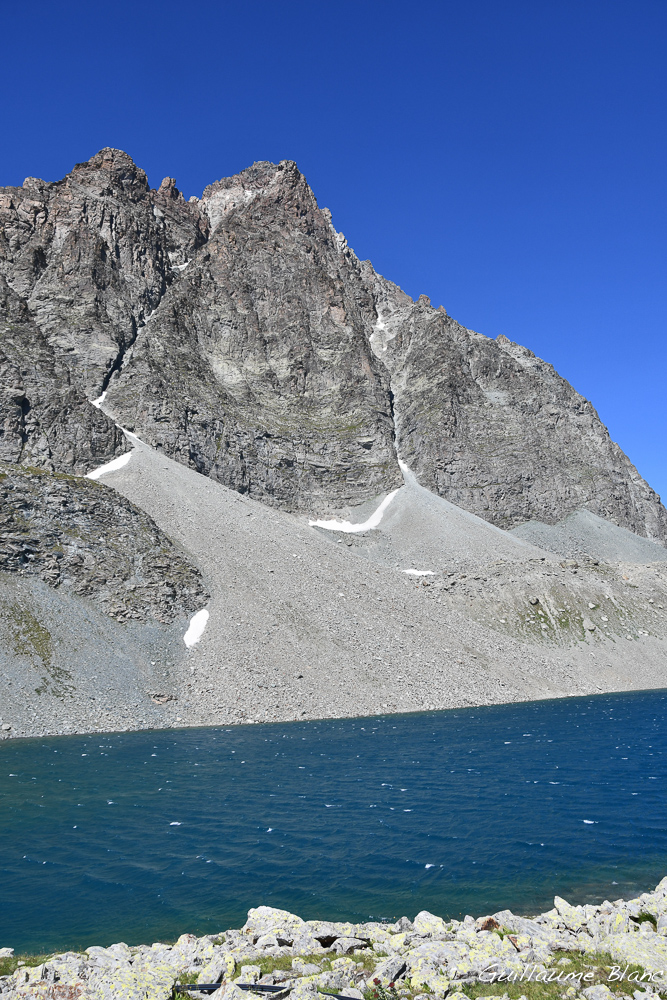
x=115, y=463
x=130, y=436
x=381, y=336
x=419, y=572
x=100, y=399
x=196, y=628
x=408, y=475
x=180, y=267
x=347, y=526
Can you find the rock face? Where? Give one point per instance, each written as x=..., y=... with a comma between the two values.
x=45, y=419
x=87, y=538
x=256, y=368
x=241, y=335
x=497, y=431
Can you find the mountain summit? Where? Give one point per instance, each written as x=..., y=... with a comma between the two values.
x=273, y=395
x=241, y=335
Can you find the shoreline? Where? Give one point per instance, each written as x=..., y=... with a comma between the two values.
x=622, y=942
x=227, y=723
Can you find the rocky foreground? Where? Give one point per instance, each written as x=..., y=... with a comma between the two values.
x=573, y=947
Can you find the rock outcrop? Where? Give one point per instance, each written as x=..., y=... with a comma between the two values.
x=82, y=536
x=569, y=946
x=45, y=417
x=256, y=369
x=240, y=334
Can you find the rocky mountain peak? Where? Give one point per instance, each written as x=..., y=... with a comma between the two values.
x=111, y=172
x=240, y=334
x=263, y=183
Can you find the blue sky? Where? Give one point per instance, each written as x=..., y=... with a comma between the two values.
x=505, y=158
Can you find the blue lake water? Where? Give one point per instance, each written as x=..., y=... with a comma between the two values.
x=142, y=836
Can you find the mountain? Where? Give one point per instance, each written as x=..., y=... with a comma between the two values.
x=239, y=336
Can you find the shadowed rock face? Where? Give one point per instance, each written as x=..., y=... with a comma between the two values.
x=45, y=418
x=497, y=431
x=92, y=542
x=242, y=336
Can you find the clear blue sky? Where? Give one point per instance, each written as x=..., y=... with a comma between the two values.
x=505, y=157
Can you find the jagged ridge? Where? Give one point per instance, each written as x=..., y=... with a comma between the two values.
x=241, y=335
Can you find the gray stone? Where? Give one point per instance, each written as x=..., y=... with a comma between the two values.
x=58, y=528
x=346, y=945
x=388, y=971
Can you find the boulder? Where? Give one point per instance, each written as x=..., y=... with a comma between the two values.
x=346, y=945
x=572, y=916
x=428, y=924
x=268, y=920
x=387, y=972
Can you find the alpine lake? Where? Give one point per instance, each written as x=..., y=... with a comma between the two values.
x=141, y=836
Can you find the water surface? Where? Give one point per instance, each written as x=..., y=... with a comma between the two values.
x=142, y=836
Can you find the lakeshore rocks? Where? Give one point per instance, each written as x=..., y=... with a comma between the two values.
x=441, y=957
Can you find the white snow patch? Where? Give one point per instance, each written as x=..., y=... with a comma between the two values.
x=100, y=399
x=372, y=522
x=115, y=463
x=180, y=267
x=408, y=474
x=130, y=436
x=419, y=572
x=196, y=628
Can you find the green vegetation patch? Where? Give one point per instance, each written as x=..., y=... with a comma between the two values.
x=9, y=965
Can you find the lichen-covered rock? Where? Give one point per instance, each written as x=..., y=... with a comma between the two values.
x=647, y=951
x=572, y=916
x=269, y=920
x=428, y=923
x=387, y=972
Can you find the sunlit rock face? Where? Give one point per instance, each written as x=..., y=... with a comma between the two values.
x=240, y=334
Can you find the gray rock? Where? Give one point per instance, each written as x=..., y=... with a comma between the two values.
x=241, y=335
x=45, y=418
x=496, y=430
x=73, y=532
x=388, y=971
x=600, y=992
x=346, y=945
x=587, y=536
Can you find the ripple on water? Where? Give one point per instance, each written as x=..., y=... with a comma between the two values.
x=148, y=835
